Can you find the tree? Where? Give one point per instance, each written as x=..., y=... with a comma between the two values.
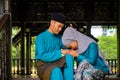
x=108, y=45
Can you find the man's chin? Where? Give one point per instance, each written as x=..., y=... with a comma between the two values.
x=57, y=33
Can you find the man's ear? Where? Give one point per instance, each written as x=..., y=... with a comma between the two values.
x=52, y=22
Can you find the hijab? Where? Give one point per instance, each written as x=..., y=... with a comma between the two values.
x=71, y=34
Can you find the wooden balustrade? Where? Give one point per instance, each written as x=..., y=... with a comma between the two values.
x=16, y=66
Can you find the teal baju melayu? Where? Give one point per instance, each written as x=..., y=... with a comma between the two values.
x=48, y=50
x=91, y=55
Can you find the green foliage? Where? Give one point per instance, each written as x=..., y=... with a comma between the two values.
x=108, y=45
x=15, y=30
x=13, y=52
x=33, y=48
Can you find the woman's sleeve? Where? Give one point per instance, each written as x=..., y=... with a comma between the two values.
x=81, y=57
x=92, y=54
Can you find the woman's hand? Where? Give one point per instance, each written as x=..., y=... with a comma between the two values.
x=74, y=53
x=71, y=52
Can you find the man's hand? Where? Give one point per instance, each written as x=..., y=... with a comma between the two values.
x=71, y=52
x=64, y=52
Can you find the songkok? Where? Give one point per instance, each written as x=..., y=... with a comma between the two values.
x=58, y=17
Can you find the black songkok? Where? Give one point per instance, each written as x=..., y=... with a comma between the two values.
x=58, y=17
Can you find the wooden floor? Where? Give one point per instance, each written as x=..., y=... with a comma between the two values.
x=35, y=77
x=39, y=79
x=25, y=77
x=112, y=79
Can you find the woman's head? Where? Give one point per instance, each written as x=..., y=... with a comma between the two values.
x=69, y=39
x=72, y=45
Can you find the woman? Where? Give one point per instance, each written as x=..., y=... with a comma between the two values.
x=92, y=64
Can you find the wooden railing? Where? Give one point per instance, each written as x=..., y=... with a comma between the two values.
x=5, y=47
x=113, y=65
x=16, y=66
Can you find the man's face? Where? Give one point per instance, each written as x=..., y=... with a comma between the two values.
x=57, y=27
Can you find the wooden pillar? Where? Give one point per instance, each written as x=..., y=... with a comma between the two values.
x=6, y=6
x=22, y=48
x=118, y=41
x=88, y=6
x=1, y=7
x=89, y=28
x=28, y=51
x=8, y=52
x=21, y=15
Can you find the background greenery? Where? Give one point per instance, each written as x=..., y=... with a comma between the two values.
x=108, y=45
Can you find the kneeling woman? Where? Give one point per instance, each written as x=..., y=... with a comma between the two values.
x=92, y=64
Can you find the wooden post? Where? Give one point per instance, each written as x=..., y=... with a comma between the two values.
x=8, y=54
x=28, y=50
x=1, y=7
x=88, y=5
x=118, y=41
x=22, y=48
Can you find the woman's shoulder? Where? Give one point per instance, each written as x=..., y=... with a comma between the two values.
x=70, y=29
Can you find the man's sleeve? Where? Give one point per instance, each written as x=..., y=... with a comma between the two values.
x=43, y=55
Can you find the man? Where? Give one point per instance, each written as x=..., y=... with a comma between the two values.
x=53, y=61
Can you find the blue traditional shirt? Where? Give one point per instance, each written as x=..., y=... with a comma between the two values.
x=93, y=58
x=48, y=47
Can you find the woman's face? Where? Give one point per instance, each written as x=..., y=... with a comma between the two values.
x=73, y=45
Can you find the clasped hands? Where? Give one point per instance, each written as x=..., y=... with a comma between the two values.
x=71, y=52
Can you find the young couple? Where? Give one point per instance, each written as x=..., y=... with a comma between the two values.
x=55, y=54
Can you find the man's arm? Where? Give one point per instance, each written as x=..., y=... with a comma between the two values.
x=48, y=56
x=43, y=55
